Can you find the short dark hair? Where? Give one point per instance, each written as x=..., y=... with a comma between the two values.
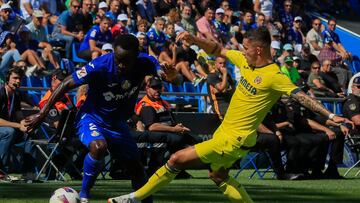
x=331, y=19
x=105, y=18
x=260, y=34
x=128, y=42
x=15, y=70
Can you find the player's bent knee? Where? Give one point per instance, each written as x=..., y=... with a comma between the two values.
x=176, y=160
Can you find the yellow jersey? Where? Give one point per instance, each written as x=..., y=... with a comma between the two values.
x=257, y=91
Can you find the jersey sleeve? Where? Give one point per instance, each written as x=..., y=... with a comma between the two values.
x=90, y=70
x=236, y=58
x=283, y=84
x=93, y=35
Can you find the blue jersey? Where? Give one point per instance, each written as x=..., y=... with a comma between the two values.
x=156, y=39
x=294, y=36
x=112, y=96
x=99, y=37
x=331, y=35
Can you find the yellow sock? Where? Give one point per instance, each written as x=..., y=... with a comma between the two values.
x=234, y=191
x=160, y=178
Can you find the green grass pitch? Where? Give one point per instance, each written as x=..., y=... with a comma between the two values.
x=200, y=190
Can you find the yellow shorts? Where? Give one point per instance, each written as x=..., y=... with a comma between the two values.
x=220, y=151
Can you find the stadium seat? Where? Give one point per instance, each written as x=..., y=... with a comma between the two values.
x=75, y=58
x=203, y=103
x=190, y=88
x=355, y=64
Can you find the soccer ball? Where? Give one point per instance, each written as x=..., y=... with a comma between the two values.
x=65, y=195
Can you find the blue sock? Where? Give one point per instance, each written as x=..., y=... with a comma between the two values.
x=92, y=168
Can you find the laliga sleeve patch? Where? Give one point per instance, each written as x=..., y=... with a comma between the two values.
x=81, y=73
x=93, y=33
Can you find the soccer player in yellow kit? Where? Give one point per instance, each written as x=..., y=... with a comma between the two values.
x=261, y=85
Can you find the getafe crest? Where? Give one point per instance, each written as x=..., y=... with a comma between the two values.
x=126, y=84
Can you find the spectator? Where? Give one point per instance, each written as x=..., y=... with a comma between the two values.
x=69, y=26
x=351, y=107
x=155, y=114
x=275, y=51
x=289, y=70
x=315, y=38
x=206, y=28
x=120, y=27
x=306, y=59
x=170, y=32
x=330, y=78
x=286, y=15
x=187, y=21
x=186, y=58
x=8, y=53
x=38, y=33
x=295, y=36
x=164, y=6
x=114, y=10
x=12, y=124
x=317, y=83
x=27, y=8
x=27, y=48
x=142, y=42
x=288, y=50
x=64, y=103
x=96, y=37
x=221, y=87
x=5, y=11
x=174, y=17
x=248, y=22
x=142, y=26
x=220, y=26
x=87, y=19
x=260, y=20
x=328, y=52
x=265, y=7
x=103, y=8
x=330, y=34
x=146, y=10
x=156, y=37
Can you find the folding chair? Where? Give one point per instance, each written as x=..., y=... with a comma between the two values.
x=251, y=161
x=353, y=141
x=65, y=128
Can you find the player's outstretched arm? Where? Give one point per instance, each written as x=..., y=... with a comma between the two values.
x=208, y=46
x=34, y=121
x=317, y=107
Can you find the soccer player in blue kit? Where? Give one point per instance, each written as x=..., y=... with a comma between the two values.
x=114, y=80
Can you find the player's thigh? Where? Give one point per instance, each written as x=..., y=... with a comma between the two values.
x=219, y=176
x=88, y=132
x=185, y=159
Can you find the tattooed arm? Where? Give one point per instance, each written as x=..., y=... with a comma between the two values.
x=317, y=107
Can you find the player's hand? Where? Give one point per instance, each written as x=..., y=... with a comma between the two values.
x=185, y=36
x=33, y=121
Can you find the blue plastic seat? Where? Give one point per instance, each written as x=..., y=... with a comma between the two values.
x=75, y=58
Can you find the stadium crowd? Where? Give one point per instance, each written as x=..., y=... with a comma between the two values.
x=44, y=39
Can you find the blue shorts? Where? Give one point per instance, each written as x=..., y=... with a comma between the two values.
x=119, y=141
